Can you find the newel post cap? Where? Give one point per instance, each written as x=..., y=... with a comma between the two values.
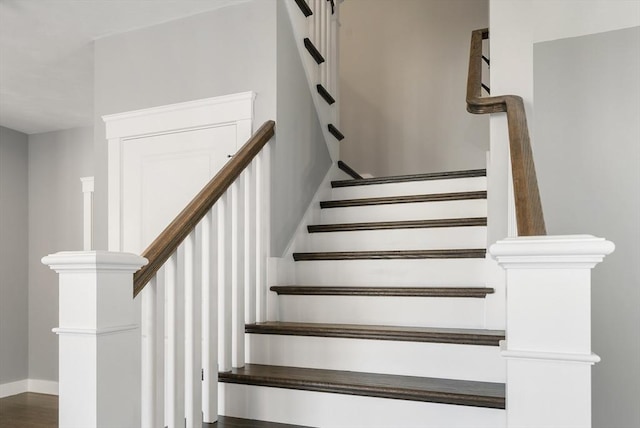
x=557, y=252
x=83, y=261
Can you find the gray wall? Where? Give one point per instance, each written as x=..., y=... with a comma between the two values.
x=14, y=321
x=403, y=73
x=301, y=156
x=221, y=52
x=587, y=125
x=57, y=160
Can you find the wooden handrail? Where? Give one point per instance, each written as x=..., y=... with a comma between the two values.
x=172, y=236
x=525, y=185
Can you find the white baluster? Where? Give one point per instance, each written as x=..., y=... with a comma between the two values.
x=160, y=350
x=259, y=262
x=224, y=295
x=249, y=233
x=193, y=339
x=209, y=326
x=317, y=12
x=175, y=339
x=87, y=198
x=237, y=289
x=149, y=399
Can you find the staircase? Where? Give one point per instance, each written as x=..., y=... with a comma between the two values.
x=384, y=324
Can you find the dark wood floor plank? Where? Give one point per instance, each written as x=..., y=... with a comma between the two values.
x=413, y=177
x=447, y=391
x=404, y=224
x=311, y=290
x=410, y=199
x=29, y=410
x=377, y=332
x=473, y=253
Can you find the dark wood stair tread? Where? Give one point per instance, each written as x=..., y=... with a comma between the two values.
x=392, y=254
x=325, y=95
x=313, y=51
x=379, y=332
x=304, y=7
x=405, y=224
x=301, y=290
x=229, y=422
x=335, y=132
x=409, y=199
x=446, y=391
x=412, y=177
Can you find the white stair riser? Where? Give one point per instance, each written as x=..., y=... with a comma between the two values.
x=327, y=410
x=399, y=239
x=411, y=188
x=408, y=211
x=403, y=272
x=466, y=362
x=399, y=311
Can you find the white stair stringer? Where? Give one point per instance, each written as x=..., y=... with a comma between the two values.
x=399, y=239
x=383, y=273
x=450, y=361
x=327, y=410
x=405, y=211
x=449, y=185
x=449, y=312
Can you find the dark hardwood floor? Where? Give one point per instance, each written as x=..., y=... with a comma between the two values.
x=31, y=410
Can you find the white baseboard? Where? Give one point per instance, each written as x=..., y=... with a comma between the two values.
x=28, y=385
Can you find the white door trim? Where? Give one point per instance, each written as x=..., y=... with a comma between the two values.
x=173, y=118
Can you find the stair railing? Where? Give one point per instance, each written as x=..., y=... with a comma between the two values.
x=232, y=213
x=529, y=216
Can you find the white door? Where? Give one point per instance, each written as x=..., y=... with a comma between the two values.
x=168, y=156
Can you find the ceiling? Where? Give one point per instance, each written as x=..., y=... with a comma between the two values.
x=46, y=54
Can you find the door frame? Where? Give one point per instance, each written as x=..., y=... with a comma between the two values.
x=173, y=118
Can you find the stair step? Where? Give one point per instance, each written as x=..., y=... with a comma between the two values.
x=304, y=7
x=386, y=200
x=406, y=224
x=430, y=210
x=313, y=51
x=325, y=95
x=229, y=422
x=412, y=177
x=377, y=332
x=335, y=132
x=394, y=254
x=301, y=290
x=446, y=391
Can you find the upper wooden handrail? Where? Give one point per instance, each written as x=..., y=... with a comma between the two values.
x=172, y=236
x=525, y=185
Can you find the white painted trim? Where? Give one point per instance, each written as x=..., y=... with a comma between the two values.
x=547, y=356
x=43, y=386
x=557, y=252
x=185, y=115
x=13, y=388
x=83, y=261
x=94, y=331
x=235, y=109
x=28, y=385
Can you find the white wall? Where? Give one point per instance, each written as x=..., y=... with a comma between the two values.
x=516, y=27
x=403, y=73
x=14, y=321
x=301, y=154
x=588, y=130
x=57, y=160
x=221, y=52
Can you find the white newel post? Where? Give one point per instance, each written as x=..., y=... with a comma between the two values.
x=548, y=336
x=99, y=348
